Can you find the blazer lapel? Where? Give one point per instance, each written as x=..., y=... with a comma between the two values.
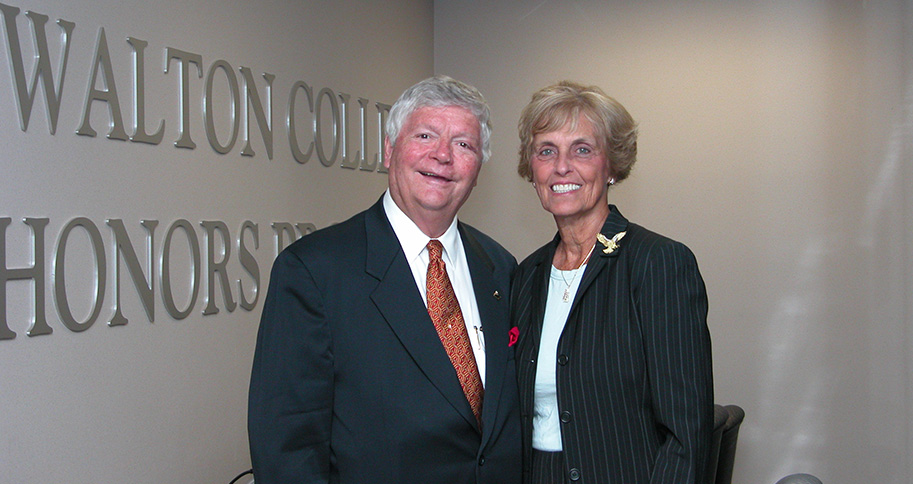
x=541, y=279
x=494, y=314
x=600, y=259
x=401, y=305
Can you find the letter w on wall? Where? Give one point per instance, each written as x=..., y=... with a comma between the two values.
x=25, y=95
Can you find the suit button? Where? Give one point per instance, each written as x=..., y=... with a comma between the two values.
x=481, y=460
x=562, y=360
x=565, y=416
x=574, y=474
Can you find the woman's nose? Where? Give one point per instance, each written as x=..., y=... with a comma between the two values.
x=563, y=164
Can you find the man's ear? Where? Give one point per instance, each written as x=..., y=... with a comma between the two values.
x=388, y=152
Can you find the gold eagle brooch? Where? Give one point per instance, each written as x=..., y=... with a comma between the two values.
x=611, y=245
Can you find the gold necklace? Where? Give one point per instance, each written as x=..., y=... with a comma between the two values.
x=567, y=290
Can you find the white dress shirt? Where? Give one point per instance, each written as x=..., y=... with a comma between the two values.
x=414, y=242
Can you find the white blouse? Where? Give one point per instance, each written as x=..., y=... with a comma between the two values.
x=546, y=424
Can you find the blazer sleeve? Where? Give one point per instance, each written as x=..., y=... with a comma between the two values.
x=673, y=306
x=291, y=388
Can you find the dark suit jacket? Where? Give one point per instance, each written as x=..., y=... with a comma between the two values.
x=634, y=376
x=350, y=382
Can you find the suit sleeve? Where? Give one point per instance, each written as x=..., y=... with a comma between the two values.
x=291, y=389
x=673, y=304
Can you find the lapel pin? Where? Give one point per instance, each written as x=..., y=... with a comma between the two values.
x=497, y=295
x=611, y=245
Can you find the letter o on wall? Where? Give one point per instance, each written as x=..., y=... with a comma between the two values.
x=60, y=283
x=208, y=107
x=318, y=135
x=167, y=294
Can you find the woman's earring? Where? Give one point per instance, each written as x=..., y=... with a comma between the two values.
x=611, y=181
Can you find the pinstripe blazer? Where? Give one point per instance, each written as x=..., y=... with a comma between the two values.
x=634, y=375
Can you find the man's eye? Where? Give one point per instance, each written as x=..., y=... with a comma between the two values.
x=423, y=135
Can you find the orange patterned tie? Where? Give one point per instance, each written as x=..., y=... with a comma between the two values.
x=444, y=310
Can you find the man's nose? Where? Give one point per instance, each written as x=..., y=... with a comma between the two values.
x=443, y=151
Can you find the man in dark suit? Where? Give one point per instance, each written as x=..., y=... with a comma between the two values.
x=353, y=381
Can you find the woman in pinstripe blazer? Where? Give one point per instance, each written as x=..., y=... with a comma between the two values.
x=613, y=352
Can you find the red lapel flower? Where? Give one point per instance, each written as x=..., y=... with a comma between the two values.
x=512, y=336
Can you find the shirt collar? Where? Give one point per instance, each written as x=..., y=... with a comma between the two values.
x=411, y=238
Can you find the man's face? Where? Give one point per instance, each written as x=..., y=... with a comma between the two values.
x=434, y=164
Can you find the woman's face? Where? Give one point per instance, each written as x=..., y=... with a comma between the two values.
x=570, y=172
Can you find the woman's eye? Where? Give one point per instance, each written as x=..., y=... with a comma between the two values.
x=583, y=150
x=546, y=152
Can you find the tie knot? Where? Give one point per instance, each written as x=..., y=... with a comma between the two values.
x=435, y=249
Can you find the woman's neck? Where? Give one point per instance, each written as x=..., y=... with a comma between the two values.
x=578, y=236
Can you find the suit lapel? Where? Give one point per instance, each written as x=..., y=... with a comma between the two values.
x=531, y=293
x=541, y=279
x=493, y=312
x=600, y=260
x=401, y=305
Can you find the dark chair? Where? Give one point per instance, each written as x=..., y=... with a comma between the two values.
x=236, y=480
x=728, y=439
x=799, y=479
x=720, y=416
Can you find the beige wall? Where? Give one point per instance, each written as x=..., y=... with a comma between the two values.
x=165, y=401
x=775, y=141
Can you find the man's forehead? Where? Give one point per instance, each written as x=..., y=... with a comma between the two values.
x=441, y=108
x=431, y=115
